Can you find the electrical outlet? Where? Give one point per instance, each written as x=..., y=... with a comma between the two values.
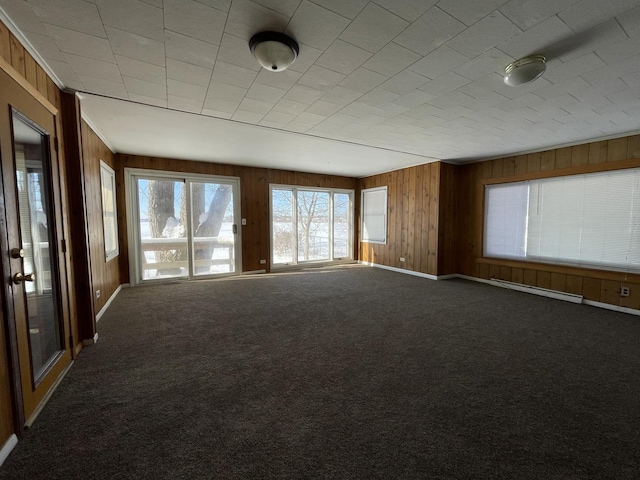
x=97, y=293
x=263, y=262
x=244, y=221
x=624, y=291
x=402, y=259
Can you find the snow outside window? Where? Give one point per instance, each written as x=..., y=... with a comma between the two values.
x=590, y=220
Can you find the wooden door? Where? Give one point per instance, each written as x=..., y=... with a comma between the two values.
x=34, y=276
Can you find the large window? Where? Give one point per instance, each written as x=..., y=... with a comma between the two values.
x=374, y=215
x=590, y=220
x=310, y=225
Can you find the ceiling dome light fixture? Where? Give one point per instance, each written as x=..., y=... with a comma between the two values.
x=525, y=70
x=274, y=51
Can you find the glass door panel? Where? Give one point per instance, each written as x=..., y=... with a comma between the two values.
x=314, y=221
x=213, y=228
x=341, y=226
x=38, y=242
x=162, y=232
x=283, y=239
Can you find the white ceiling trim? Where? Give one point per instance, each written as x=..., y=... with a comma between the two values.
x=13, y=28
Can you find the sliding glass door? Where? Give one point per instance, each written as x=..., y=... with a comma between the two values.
x=184, y=226
x=310, y=225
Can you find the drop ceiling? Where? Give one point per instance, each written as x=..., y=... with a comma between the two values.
x=378, y=84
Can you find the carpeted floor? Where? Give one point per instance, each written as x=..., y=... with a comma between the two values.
x=343, y=373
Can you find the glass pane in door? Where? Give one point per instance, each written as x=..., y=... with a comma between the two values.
x=283, y=241
x=162, y=214
x=212, y=224
x=313, y=225
x=341, y=226
x=37, y=234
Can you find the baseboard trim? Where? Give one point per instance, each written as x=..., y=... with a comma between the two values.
x=608, y=306
x=8, y=446
x=254, y=272
x=542, y=292
x=111, y=299
x=48, y=396
x=408, y=272
x=90, y=341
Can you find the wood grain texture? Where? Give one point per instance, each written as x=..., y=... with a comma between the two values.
x=593, y=284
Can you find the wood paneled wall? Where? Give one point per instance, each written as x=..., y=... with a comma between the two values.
x=105, y=276
x=254, y=191
x=419, y=219
x=597, y=285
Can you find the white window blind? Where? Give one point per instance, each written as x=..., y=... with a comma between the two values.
x=590, y=220
x=109, y=213
x=374, y=215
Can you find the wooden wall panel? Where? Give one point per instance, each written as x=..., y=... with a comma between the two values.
x=105, y=275
x=254, y=192
x=597, y=285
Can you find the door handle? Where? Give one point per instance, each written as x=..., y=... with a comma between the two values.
x=235, y=229
x=21, y=277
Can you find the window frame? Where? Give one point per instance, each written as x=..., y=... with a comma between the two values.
x=386, y=214
x=331, y=192
x=110, y=174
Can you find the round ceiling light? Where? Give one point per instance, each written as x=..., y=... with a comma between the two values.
x=525, y=70
x=274, y=51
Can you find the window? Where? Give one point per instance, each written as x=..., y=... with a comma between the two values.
x=374, y=215
x=590, y=220
x=310, y=225
x=109, y=211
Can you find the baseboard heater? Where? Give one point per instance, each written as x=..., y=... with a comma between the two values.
x=544, y=292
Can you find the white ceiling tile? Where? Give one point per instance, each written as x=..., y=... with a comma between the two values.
x=245, y=15
x=410, y=10
x=378, y=97
x=320, y=78
x=72, y=14
x=557, y=71
x=221, y=105
x=188, y=73
x=358, y=109
x=482, y=86
x=315, y=26
x=290, y=107
x=265, y=93
x=349, y=9
x=222, y=5
x=392, y=59
x=93, y=68
x=73, y=84
x=340, y=119
x=423, y=111
x=373, y=28
x=23, y=15
x=596, y=38
x=537, y=38
x=450, y=100
x=233, y=75
x=492, y=61
x=404, y=82
x=134, y=46
x=492, y=30
x=190, y=50
x=147, y=100
x=223, y=91
x=430, y=31
x=155, y=3
x=370, y=120
x=440, y=61
x=45, y=46
x=616, y=52
x=186, y=90
x=63, y=70
x=630, y=21
x=341, y=96
x=194, y=19
x=484, y=102
x=279, y=117
x=184, y=104
x=302, y=94
x=322, y=107
x=526, y=13
x=588, y=13
x=71, y=41
x=343, y=57
x=140, y=87
x=247, y=117
x=284, y=79
x=255, y=106
x=413, y=99
x=142, y=70
x=307, y=57
x=308, y=118
x=133, y=16
x=363, y=80
x=470, y=11
x=285, y=7
x=104, y=87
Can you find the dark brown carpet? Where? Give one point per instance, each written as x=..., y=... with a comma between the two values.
x=348, y=372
